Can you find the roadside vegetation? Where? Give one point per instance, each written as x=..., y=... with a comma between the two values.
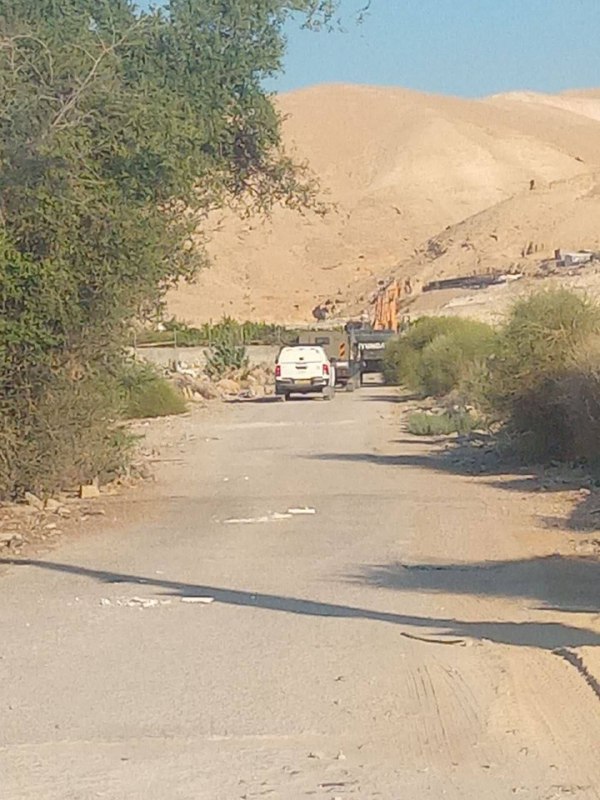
x=536, y=378
x=121, y=130
x=180, y=334
x=436, y=354
x=145, y=393
x=425, y=423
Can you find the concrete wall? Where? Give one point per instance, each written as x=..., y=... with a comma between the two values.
x=196, y=356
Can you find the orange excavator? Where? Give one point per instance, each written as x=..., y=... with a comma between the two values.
x=385, y=316
x=386, y=304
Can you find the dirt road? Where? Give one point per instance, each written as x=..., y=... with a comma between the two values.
x=415, y=637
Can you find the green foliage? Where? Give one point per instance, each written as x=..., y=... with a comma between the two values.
x=121, y=130
x=421, y=423
x=437, y=353
x=448, y=359
x=144, y=393
x=400, y=363
x=66, y=437
x=225, y=357
x=530, y=385
x=244, y=333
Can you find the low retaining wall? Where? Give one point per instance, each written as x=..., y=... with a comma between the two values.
x=196, y=356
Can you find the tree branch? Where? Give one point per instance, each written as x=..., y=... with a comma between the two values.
x=73, y=100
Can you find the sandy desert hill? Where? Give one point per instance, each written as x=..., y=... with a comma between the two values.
x=401, y=167
x=515, y=235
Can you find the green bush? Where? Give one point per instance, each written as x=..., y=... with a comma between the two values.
x=437, y=353
x=449, y=358
x=225, y=357
x=400, y=364
x=534, y=384
x=426, y=424
x=67, y=438
x=144, y=393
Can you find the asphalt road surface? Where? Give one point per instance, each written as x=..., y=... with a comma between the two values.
x=405, y=633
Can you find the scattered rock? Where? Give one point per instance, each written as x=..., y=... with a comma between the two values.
x=142, y=602
x=89, y=491
x=52, y=505
x=11, y=540
x=228, y=386
x=588, y=547
x=198, y=600
x=143, y=471
x=206, y=390
x=34, y=501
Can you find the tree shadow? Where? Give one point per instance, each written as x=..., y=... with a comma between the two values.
x=440, y=461
x=501, y=473
x=555, y=582
x=389, y=397
x=585, y=516
x=544, y=636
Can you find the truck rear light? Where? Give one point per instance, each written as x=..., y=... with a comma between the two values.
x=325, y=369
x=278, y=371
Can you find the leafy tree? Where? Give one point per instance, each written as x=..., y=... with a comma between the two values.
x=120, y=131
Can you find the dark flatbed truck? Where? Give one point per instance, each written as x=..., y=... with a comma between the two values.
x=369, y=349
x=357, y=351
x=339, y=349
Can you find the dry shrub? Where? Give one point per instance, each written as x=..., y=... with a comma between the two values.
x=536, y=385
x=66, y=438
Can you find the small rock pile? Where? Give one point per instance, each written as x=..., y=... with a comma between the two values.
x=33, y=520
x=195, y=385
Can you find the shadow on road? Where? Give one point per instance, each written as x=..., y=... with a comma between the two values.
x=554, y=582
x=440, y=461
x=510, y=476
x=546, y=636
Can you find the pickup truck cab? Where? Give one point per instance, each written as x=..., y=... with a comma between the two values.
x=304, y=369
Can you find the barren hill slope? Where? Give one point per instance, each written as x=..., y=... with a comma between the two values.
x=515, y=233
x=400, y=166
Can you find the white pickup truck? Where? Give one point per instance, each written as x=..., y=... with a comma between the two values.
x=304, y=369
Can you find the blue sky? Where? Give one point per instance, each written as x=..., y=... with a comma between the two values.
x=463, y=47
